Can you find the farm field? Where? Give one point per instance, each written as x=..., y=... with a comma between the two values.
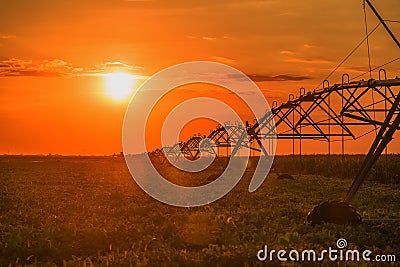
x=88, y=211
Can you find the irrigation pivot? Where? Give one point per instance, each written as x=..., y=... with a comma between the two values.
x=337, y=112
x=310, y=116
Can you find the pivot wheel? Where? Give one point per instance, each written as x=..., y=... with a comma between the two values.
x=334, y=211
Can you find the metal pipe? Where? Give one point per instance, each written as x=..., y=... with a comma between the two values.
x=383, y=23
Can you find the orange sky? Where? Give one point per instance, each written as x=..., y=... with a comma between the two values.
x=53, y=97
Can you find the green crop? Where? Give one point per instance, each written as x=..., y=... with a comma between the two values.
x=88, y=211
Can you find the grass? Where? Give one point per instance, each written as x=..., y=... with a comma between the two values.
x=88, y=211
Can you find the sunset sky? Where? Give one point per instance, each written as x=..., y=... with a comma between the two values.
x=62, y=61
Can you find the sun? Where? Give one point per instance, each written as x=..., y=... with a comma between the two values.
x=120, y=85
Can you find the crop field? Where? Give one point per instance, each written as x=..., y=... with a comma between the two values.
x=88, y=211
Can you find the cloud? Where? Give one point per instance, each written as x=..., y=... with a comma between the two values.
x=287, y=14
x=353, y=69
x=271, y=78
x=276, y=78
x=308, y=60
x=206, y=38
x=115, y=65
x=287, y=52
x=304, y=54
x=7, y=36
x=56, y=68
x=112, y=66
x=308, y=46
x=224, y=60
x=49, y=68
x=56, y=65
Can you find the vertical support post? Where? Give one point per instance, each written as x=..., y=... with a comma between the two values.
x=386, y=148
x=228, y=144
x=302, y=92
x=329, y=137
x=344, y=76
x=293, y=144
x=291, y=97
x=342, y=171
x=329, y=126
x=270, y=146
x=383, y=137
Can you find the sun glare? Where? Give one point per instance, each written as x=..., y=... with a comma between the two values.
x=120, y=85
